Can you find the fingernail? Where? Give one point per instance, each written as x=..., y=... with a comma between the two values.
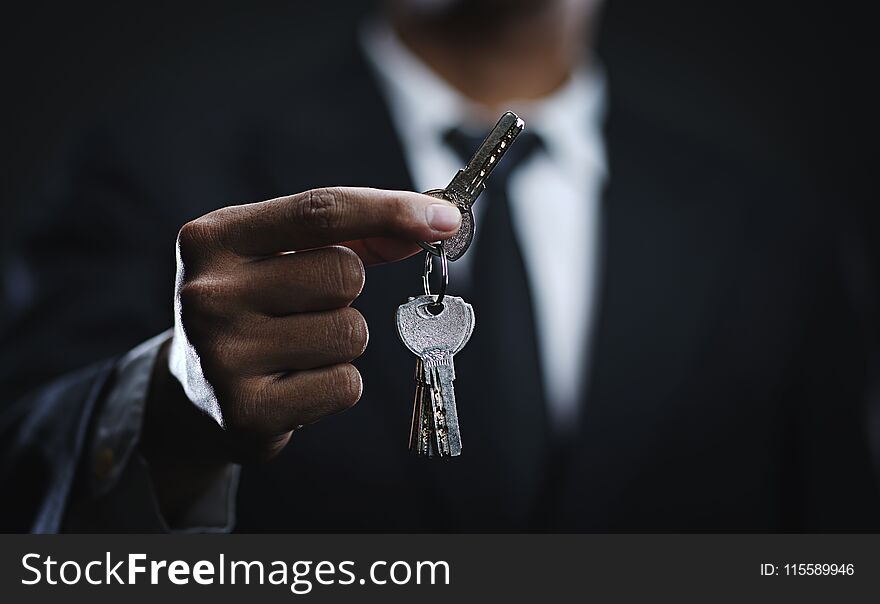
x=443, y=217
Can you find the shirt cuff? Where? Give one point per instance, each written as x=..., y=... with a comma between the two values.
x=117, y=464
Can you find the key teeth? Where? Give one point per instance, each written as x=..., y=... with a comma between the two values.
x=434, y=430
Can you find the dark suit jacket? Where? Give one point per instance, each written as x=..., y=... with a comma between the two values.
x=726, y=387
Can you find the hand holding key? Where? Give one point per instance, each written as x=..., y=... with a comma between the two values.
x=264, y=338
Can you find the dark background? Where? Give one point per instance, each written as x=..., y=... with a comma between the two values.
x=793, y=76
x=786, y=83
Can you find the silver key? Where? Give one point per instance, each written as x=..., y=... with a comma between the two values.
x=469, y=182
x=435, y=339
x=421, y=435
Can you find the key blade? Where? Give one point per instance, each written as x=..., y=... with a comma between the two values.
x=467, y=185
x=449, y=442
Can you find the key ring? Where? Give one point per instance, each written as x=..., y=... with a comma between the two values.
x=433, y=249
x=437, y=305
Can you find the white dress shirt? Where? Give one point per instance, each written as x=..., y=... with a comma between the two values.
x=554, y=196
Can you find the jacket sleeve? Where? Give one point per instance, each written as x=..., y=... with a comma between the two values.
x=42, y=440
x=114, y=490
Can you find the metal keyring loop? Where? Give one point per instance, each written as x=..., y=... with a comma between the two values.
x=434, y=248
x=444, y=283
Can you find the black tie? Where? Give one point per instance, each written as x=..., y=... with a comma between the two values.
x=499, y=387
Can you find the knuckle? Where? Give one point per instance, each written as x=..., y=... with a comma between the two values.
x=226, y=357
x=203, y=296
x=211, y=318
x=352, y=334
x=245, y=414
x=193, y=239
x=346, y=273
x=349, y=385
x=222, y=366
x=318, y=208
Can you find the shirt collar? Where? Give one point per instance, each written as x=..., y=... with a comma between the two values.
x=568, y=120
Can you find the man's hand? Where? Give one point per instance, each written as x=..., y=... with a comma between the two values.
x=265, y=334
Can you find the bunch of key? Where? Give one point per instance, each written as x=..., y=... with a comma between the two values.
x=436, y=327
x=435, y=339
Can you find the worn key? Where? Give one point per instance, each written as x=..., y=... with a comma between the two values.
x=435, y=337
x=421, y=436
x=469, y=182
x=440, y=394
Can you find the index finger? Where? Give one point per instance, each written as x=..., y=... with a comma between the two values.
x=321, y=217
